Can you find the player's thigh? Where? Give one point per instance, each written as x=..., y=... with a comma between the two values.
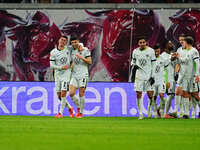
x=73, y=87
x=82, y=83
x=148, y=86
x=155, y=90
x=194, y=87
x=82, y=91
x=185, y=86
x=172, y=88
x=58, y=86
x=139, y=85
x=65, y=86
x=161, y=88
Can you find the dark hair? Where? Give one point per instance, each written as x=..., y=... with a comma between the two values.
x=182, y=35
x=157, y=46
x=73, y=37
x=64, y=36
x=189, y=40
x=141, y=38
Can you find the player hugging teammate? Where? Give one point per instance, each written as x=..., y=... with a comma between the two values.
x=70, y=64
x=157, y=74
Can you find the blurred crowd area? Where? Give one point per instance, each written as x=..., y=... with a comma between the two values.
x=100, y=1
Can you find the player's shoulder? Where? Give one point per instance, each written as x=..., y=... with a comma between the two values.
x=53, y=51
x=151, y=50
x=86, y=51
x=179, y=49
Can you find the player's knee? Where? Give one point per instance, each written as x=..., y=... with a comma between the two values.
x=71, y=93
x=139, y=95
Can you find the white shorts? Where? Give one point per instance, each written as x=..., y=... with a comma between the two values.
x=61, y=86
x=172, y=88
x=190, y=86
x=142, y=85
x=79, y=82
x=159, y=88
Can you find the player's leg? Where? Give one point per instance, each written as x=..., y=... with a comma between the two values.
x=186, y=97
x=64, y=102
x=162, y=104
x=58, y=90
x=82, y=84
x=151, y=100
x=195, y=101
x=170, y=96
x=82, y=100
x=178, y=100
x=139, y=88
x=154, y=104
x=72, y=91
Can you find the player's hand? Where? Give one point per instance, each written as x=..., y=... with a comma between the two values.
x=196, y=79
x=168, y=85
x=65, y=67
x=79, y=56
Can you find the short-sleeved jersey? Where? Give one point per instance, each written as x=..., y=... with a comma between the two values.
x=59, y=58
x=143, y=59
x=182, y=53
x=80, y=68
x=159, y=71
x=169, y=69
x=188, y=62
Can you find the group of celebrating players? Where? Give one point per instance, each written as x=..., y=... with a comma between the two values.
x=70, y=64
x=152, y=71
x=158, y=73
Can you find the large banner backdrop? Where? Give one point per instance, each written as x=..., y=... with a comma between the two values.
x=27, y=37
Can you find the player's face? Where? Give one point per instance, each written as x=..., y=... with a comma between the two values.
x=170, y=46
x=181, y=40
x=142, y=43
x=157, y=52
x=185, y=44
x=75, y=44
x=62, y=41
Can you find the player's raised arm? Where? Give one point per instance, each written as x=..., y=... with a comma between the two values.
x=87, y=59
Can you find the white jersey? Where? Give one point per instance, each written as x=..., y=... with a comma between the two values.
x=169, y=69
x=143, y=59
x=59, y=58
x=182, y=53
x=187, y=61
x=80, y=68
x=159, y=69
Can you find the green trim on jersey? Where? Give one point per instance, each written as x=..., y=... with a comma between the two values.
x=165, y=75
x=195, y=66
x=54, y=73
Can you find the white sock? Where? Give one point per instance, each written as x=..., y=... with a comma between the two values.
x=181, y=105
x=62, y=105
x=194, y=105
x=168, y=103
x=186, y=106
x=82, y=103
x=177, y=103
x=76, y=101
x=139, y=106
x=154, y=108
x=149, y=107
x=162, y=106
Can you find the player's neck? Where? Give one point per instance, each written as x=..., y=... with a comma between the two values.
x=188, y=47
x=60, y=48
x=142, y=49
